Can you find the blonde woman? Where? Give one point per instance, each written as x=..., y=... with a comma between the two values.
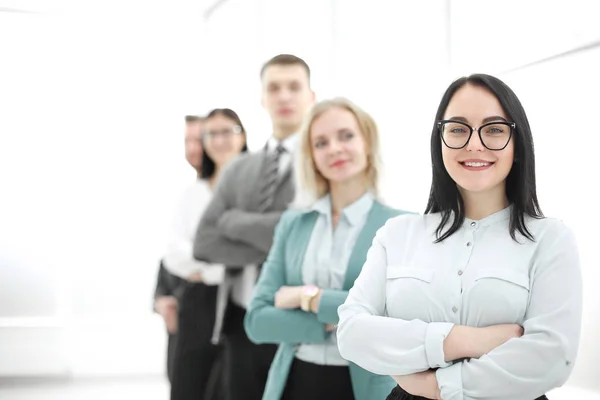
x=318, y=252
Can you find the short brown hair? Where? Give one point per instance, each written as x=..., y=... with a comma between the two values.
x=193, y=118
x=285, y=59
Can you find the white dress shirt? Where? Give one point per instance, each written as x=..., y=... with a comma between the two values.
x=179, y=258
x=412, y=291
x=326, y=261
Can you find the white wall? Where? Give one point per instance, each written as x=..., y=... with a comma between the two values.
x=93, y=98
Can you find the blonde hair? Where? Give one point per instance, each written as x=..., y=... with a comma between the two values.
x=310, y=184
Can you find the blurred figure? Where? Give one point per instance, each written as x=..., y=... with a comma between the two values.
x=169, y=287
x=317, y=254
x=480, y=297
x=196, y=372
x=238, y=225
x=194, y=127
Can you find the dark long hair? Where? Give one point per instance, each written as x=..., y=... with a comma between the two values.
x=444, y=196
x=208, y=165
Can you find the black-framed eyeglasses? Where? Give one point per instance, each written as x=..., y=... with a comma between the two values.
x=494, y=136
x=224, y=133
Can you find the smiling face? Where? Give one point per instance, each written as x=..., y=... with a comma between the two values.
x=475, y=168
x=338, y=146
x=223, y=139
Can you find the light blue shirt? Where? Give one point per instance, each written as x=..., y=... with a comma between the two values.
x=326, y=261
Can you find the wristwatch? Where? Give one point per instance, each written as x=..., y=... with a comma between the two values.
x=308, y=293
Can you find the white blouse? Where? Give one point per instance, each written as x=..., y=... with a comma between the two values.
x=179, y=258
x=412, y=291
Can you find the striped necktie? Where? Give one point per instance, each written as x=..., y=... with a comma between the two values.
x=269, y=178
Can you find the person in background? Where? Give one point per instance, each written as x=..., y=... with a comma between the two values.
x=196, y=369
x=238, y=225
x=318, y=251
x=169, y=287
x=480, y=298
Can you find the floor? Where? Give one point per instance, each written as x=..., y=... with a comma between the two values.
x=149, y=388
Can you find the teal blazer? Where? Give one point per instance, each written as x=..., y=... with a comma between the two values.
x=266, y=324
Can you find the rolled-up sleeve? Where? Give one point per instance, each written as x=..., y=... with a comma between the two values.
x=379, y=344
x=543, y=358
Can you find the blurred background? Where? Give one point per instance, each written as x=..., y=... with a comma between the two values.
x=92, y=99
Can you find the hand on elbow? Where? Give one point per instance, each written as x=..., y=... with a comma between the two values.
x=491, y=337
x=288, y=297
x=196, y=277
x=470, y=342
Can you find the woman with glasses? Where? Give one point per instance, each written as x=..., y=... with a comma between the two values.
x=318, y=251
x=196, y=374
x=480, y=298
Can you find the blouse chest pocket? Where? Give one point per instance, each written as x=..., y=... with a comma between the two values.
x=421, y=274
x=507, y=275
x=407, y=291
x=501, y=294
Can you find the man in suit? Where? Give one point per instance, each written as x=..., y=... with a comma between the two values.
x=169, y=288
x=237, y=227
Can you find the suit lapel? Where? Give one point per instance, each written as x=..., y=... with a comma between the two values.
x=254, y=174
x=376, y=219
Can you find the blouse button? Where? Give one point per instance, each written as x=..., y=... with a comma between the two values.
x=454, y=309
x=468, y=244
x=460, y=273
x=473, y=224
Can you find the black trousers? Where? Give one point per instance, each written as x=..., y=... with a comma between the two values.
x=171, y=346
x=318, y=382
x=400, y=394
x=196, y=374
x=246, y=364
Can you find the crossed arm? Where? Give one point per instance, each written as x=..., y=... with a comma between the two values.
x=229, y=235
x=500, y=361
x=274, y=314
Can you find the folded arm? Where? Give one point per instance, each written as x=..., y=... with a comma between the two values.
x=394, y=346
x=543, y=358
x=210, y=244
x=253, y=228
x=329, y=302
x=264, y=323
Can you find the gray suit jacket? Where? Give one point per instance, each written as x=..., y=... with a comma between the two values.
x=232, y=231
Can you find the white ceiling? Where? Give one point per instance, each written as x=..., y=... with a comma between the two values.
x=113, y=6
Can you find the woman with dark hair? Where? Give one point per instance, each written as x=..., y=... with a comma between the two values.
x=196, y=373
x=224, y=137
x=480, y=298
